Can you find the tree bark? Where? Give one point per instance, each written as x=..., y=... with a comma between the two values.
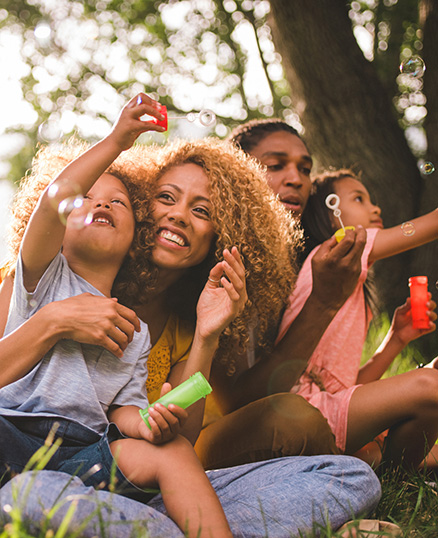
x=349, y=118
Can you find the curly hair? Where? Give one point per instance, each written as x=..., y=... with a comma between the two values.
x=244, y=213
x=46, y=165
x=249, y=134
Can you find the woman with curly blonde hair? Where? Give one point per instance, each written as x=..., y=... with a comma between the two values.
x=243, y=212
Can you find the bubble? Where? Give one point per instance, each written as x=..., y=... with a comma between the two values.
x=427, y=168
x=32, y=303
x=76, y=211
x=61, y=190
x=82, y=215
x=191, y=116
x=7, y=508
x=207, y=117
x=49, y=131
x=413, y=66
x=408, y=229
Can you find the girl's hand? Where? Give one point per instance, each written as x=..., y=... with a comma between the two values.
x=129, y=125
x=223, y=297
x=165, y=423
x=401, y=324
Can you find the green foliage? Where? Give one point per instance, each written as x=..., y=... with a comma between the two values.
x=408, y=359
x=84, y=60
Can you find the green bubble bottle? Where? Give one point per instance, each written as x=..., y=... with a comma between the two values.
x=190, y=391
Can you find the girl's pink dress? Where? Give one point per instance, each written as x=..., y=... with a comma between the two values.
x=330, y=377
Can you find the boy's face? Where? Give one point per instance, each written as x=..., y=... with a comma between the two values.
x=288, y=165
x=111, y=230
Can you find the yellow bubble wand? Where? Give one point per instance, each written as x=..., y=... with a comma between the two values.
x=332, y=202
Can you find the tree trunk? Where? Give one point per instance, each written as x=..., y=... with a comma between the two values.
x=349, y=118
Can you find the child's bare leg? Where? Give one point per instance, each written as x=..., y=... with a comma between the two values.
x=371, y=453
x=189, y=498
x=407, y=405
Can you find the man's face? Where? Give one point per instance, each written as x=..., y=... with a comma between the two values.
x=288, y=165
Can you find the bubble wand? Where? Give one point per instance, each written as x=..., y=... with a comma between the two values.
x=332, y=202
x=205, y=116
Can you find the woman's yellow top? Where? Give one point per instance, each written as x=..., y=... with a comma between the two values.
x=174, y=346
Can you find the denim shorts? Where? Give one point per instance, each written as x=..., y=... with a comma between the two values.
x=83, y=452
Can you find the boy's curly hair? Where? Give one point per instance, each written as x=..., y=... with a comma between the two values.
x=46, y=165
x=246, y=214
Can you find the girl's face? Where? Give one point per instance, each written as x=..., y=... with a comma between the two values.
x=112, y=229
x=182, y=212
x=355, y=205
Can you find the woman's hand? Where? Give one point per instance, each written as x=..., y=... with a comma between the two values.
x=401, y=325
x=166, y=423
x=97, y=320
x=223, y=297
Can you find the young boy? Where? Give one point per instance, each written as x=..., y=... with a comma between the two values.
x=76, y=389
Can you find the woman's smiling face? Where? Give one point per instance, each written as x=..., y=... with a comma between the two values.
x=182, y=213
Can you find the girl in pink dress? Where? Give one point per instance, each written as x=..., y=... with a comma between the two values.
x=358, y=404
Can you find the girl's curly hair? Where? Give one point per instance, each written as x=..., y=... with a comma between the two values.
x=46, y=165
x=245, y=213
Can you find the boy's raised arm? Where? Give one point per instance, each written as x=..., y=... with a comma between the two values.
x=45, y=232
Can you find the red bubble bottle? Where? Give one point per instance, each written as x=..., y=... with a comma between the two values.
x=419, y=298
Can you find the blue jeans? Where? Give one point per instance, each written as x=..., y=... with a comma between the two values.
x=83, y=452
x=275, y=498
